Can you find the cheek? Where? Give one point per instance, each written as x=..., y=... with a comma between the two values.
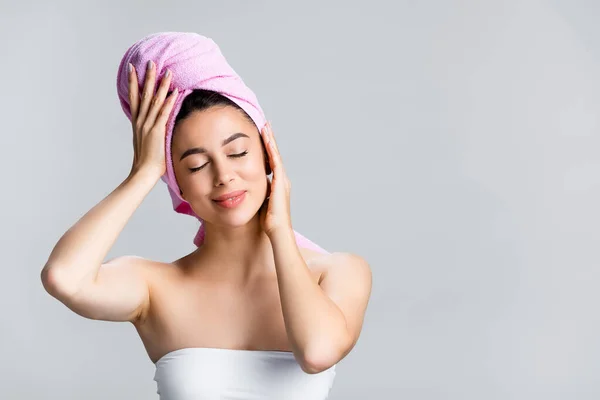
x=192, y=184
x=253, y=169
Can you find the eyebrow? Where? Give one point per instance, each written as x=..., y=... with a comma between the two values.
x=200, y=150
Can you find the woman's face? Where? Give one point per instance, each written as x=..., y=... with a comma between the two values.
x=215, y=152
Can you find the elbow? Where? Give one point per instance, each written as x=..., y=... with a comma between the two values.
x=317, y=363
x=54, y=284
x=314, y=368
x=48, y=277
x=321, y=359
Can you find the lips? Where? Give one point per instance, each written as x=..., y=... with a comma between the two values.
x=229, y=195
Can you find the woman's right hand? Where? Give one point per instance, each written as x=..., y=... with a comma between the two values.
x=149, y=114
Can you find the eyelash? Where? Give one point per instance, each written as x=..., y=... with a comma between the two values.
x=233, y=155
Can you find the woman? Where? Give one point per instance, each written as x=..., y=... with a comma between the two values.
x=256, y=311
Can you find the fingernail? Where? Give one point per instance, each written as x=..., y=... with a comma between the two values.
x=167, y=74
x=130, y=68
x=149, y=65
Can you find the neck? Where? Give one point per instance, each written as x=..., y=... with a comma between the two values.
x=239, y=253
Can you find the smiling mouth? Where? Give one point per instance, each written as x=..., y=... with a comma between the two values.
x=229, y=198
x=231, y=202
x=230, y=195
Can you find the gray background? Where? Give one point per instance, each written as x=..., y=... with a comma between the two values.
x=453, y=144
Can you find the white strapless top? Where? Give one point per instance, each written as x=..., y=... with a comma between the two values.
x=200, y=373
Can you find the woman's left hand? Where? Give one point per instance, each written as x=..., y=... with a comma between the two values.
x=275, y=213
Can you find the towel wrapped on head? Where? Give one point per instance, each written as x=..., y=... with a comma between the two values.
x=196, y=62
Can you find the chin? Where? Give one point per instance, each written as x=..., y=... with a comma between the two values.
x=235, y=221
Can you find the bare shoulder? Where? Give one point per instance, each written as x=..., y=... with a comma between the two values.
x=343, y=265
x=338, y=264
x=315, y=261
x=347, y=281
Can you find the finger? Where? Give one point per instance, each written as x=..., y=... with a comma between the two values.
x=158, y=100
x=268, y=147
x=264, y=136
x=166, y=109
x=133, y=106
x=148, y=91
x=135, y=149
x=273, y=160
x=134, y=101
x=271, y=137
x=275, y=155
x=279, y=175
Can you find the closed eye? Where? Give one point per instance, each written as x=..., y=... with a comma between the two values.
x=242, y=154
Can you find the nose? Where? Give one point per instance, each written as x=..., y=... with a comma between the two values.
x=223, y=173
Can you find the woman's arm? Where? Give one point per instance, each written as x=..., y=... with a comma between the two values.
x=117, y=290
x=323, y=322
x=74, y=273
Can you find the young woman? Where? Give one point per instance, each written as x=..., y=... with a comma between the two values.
x=251, y=313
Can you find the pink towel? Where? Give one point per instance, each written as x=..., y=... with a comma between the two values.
x=196, y=63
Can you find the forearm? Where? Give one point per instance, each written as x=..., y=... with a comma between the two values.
x=79, y=253
x=315, y=325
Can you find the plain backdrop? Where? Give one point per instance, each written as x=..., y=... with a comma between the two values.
x=453, y=144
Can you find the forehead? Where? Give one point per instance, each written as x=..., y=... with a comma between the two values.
x=209, y=127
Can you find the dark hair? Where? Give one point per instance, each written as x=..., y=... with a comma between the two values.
x=202, y=99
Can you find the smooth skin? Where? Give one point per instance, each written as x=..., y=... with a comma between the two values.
x=250, y=287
